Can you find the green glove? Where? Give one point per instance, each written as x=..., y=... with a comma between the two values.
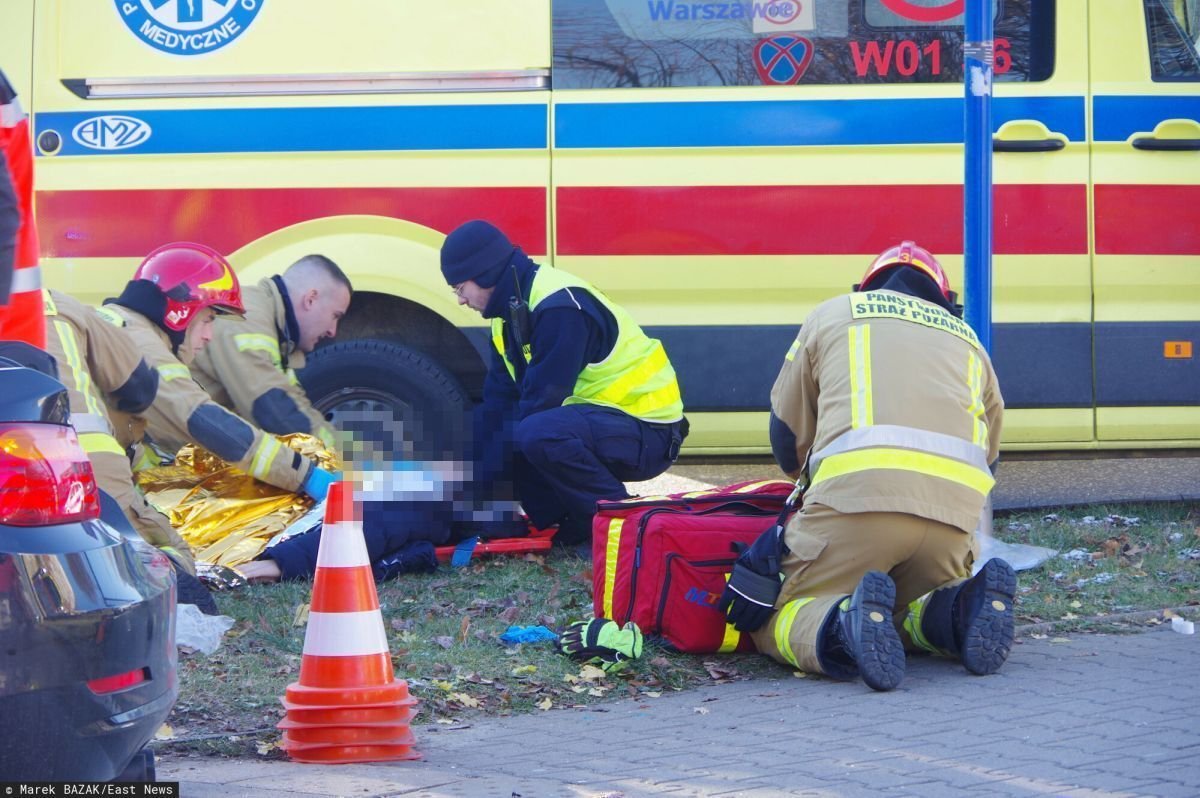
x=602, y=642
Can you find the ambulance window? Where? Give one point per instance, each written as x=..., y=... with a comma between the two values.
x=1173, y=30
x=633, y=43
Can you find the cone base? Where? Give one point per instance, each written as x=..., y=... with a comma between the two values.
x=307, y=718
x=349, y=735
x=346, y=754
x=303, y=696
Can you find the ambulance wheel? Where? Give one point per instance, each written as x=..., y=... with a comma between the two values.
x=396, y=402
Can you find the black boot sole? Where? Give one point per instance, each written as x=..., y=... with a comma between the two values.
x=878, y=653
x=988, y=637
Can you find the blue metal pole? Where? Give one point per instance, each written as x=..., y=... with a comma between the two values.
x=977, y=187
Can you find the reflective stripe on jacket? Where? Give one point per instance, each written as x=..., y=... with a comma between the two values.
x=895, y=408
x=636, y=377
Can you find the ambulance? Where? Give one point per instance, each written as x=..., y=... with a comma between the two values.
x=717, y=168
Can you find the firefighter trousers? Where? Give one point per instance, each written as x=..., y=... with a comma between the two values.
x=114, y=477
x=830, y=553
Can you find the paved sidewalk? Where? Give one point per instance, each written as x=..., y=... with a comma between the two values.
x=1104, y=716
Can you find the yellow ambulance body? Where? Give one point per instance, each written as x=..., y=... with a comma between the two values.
x=718, y=168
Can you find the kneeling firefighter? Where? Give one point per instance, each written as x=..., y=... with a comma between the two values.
x=168, y=310
x=889, y=406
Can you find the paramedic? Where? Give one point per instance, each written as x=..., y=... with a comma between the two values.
x=168, y=309
x=100, y=364
x=250, y=365
x=577, y=399
x=889, y=406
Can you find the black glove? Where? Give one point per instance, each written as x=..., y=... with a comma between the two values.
x=748, y=600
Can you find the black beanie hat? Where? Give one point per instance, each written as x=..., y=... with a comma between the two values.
x=475, y=250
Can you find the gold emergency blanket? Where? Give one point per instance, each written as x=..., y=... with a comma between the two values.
x=225, y=515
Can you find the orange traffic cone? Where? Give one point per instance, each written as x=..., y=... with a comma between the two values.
x=348, y=706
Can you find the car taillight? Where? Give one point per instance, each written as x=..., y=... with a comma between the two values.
x=45, y=477
x=122, y=681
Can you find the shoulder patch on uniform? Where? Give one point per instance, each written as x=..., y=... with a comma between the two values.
x=887, y=305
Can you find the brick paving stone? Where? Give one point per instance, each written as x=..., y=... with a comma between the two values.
x=1097, y=716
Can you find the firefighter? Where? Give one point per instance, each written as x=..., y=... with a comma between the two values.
x=168, y=309
x=577, y=399
x=889, y=406
x=99, y=364
x=20, y=279
x=250, y=364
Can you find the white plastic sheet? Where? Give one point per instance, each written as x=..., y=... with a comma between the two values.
x=198, y=631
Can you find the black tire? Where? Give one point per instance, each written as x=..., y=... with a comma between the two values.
x=399, y=402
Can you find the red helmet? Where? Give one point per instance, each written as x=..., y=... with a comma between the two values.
x=192, y=277
x=909, y=254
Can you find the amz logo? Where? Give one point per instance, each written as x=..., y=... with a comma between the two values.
x=111, y=132
x=188, y=27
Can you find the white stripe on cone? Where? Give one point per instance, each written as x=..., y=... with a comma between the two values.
x=342, y=546
x=345, y=634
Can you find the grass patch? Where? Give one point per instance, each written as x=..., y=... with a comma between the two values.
x=444, y=628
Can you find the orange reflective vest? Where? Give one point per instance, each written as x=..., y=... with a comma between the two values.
x=21, y=319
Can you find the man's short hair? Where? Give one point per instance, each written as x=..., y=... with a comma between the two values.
x=322, y=265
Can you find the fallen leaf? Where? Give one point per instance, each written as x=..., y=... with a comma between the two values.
x=444, y=641
x=718, y=672
x=300, y=617
x=462, y=629
x=443, y=686
x=591, y=673
x=661, y=662
x=464, y=699
x=165, y=732
x=266, y=747
x=1076, y=604
x=446, y=721
x=1060, y=640
x=524, y=670
x=545, y=704
x=654, y=694
x=596, y=692
x=800, y=674
x=510, y=615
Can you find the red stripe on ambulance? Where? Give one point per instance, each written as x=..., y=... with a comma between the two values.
x=130, y=223
x=811, y=220
x=1147, y=220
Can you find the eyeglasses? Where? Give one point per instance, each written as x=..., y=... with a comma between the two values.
x=458, y=289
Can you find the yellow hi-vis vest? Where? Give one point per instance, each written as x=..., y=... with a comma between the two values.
x=636, y=377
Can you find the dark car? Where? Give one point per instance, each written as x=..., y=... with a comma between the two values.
x=87, y=610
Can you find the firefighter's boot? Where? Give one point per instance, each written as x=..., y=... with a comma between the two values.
x=859, y=638
x=971, y=620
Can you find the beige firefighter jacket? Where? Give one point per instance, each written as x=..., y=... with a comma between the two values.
x=895, y=408
x=250, y=367
x=99, y=364
x=182, y=412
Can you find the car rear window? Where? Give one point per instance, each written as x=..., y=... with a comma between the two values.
x=632, y=43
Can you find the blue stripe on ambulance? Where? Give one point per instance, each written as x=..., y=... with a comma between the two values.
x=773, y=123
x=1117, y=117
x=380, y=128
